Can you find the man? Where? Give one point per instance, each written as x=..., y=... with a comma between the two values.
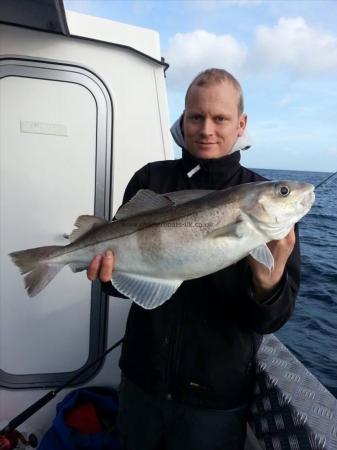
x=188, y=365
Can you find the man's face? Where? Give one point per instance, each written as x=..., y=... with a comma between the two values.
x=212, y=122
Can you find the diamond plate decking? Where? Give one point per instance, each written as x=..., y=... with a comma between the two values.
x=291, y=409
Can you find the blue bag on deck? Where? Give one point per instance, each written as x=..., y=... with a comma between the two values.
x=62, y=437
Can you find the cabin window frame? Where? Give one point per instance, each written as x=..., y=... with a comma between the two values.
x=16, y=66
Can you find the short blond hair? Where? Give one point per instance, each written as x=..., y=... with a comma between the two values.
x=216, y=76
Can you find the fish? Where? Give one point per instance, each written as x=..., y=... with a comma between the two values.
x=161, y=240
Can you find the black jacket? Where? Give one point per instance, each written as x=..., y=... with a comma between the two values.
x=198, y=348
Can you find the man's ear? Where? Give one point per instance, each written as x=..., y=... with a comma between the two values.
x=181, y=122
x=242, y=124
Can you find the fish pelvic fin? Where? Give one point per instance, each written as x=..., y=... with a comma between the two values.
x=38, y=268
x=263, y=255
x=149, y=293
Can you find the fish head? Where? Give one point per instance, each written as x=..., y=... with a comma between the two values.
x=275, y=206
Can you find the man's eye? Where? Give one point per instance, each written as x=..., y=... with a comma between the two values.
x=196, y=118
x=219, y=119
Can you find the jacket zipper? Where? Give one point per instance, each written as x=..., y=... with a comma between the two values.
x=174, y=355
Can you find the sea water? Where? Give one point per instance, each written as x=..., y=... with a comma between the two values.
x=311, y=332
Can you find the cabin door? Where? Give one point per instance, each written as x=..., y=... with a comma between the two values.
x=55, y=128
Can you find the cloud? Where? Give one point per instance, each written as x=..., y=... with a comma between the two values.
x=291, y=46
x=294, y=45
x=332, y=151
x=285, y=100
x=190, y=53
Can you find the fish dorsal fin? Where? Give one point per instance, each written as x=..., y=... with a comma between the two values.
x=187, y=195
x=144, y=200
x=263, y=255
x=85, y=224
x=145, y=291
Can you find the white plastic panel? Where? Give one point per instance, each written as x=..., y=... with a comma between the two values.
x=47, y=179
x=141, y=39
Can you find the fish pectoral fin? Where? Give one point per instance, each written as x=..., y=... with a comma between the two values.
x=85, y=224
x=145, y=291
x=144, y=200
x=235, y=229
x=78, y=267
x=263, y=255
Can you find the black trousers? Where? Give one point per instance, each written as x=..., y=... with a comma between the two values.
x=146, y=423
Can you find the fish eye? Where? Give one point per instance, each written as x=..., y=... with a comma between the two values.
x=284, y=191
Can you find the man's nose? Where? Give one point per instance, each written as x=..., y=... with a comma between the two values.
x=207, y=128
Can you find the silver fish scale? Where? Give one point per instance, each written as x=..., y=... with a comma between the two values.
x=290, y=407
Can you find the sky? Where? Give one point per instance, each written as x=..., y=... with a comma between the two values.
x=284, y=53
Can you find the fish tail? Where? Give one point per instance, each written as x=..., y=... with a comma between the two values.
x=37, y=266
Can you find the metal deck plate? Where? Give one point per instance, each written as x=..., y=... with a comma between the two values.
x=290, y=409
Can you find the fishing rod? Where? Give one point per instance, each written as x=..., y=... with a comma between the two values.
x=27, y=413
x=325, y=180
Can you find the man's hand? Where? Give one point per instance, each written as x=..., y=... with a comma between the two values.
x=264, y=281
x=101, y=267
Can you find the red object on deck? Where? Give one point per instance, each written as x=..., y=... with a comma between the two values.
x=11, y=439
x=5, y=444
x=83, y=418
